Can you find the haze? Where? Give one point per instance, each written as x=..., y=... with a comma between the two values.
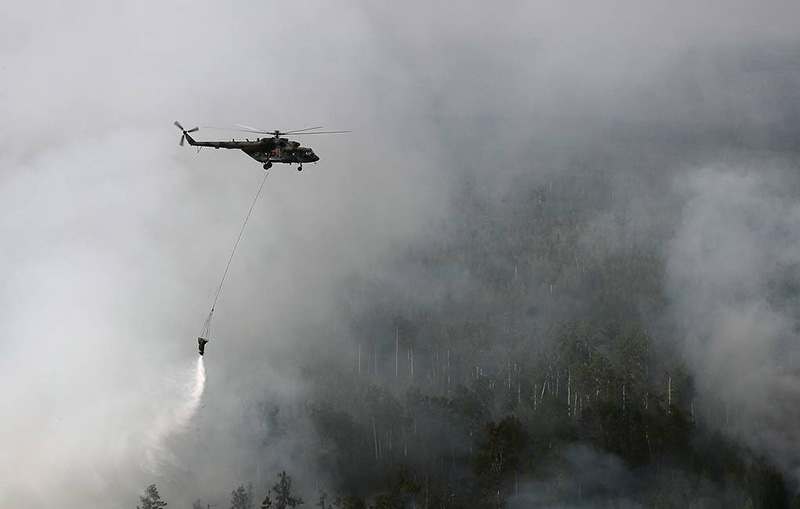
x=114, y=237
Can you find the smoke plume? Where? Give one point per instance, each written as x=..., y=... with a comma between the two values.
x=733, y=267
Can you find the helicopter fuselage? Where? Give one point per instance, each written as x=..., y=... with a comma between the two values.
x=265, y=150
x=281, y=150
x=258, y=144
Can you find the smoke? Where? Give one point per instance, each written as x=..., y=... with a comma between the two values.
x=114, y=237
x=583, y=476
x=733, y=267
x=188, y=386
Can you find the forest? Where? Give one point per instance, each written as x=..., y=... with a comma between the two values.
x=507, y=361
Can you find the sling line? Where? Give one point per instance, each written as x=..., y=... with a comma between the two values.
x=205, y=333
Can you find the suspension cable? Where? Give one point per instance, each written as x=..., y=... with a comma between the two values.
x=206, y=330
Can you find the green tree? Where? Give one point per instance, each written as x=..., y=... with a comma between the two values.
x=322, y=496
x=401, y=493
x=267, y=503
x=242, y=497
x=151, y=499
x=498, y=454
x=349, y=501
x=283, y=494
x=768, y=486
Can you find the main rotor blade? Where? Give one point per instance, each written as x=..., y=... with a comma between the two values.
x=255, y=129
x=321, y=132
x=304, y=129
x=193, y=130
x=183, y=137
x=237, y=130
x=179, y=125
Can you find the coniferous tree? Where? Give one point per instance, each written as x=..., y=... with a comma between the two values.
x=283, y=493
x=267, y=503
x=151, y=499
x=242, y=497
x=349, y=502
x=321, y=502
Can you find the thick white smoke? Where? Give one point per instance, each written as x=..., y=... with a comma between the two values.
x=174, y=419
x=733, y=268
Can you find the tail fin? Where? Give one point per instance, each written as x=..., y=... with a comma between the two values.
x=185, y=135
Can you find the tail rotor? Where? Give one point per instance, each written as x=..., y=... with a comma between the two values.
x=184, y=131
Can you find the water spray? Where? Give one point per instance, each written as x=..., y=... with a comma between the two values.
x=174, y=421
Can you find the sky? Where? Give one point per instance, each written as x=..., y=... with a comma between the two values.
x=114, y=237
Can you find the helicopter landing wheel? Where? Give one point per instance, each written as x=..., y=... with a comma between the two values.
x=267, y=166
x=299, y=168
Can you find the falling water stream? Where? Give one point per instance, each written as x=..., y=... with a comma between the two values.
x=174, y=420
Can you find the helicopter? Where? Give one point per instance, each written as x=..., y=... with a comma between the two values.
x=267, y=150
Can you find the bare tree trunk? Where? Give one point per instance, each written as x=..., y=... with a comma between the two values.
x=436, y=368
x=426, y=489
x=375, y=436
x=448, y=372
x=669, y=395
x=412, y=364
x=575, y=411
x=569, y=389
x=623, y=399
x=396, y=351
